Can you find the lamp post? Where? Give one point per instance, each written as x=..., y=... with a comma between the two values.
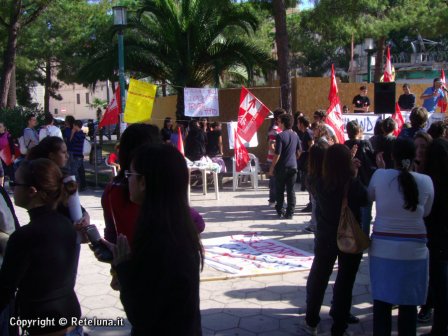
x=370, y=50
x=120, y=21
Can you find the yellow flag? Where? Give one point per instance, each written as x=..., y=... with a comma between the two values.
x=139, y=102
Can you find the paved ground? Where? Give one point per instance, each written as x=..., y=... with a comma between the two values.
x=262, y=305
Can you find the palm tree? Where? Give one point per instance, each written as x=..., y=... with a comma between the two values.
x=184, y=42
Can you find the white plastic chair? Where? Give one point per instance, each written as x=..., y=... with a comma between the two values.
x=252, y=169
x=113, y=168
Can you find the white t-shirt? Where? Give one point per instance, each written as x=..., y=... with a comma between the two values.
x=391, y=217
x=49, y=130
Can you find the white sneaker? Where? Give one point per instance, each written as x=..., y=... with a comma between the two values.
x=271, y=204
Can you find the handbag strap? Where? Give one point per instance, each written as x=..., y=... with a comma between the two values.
x=345, y=195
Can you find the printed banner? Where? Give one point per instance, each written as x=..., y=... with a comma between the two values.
x=139, y=102
x=231, y=128
x=201, y=102
x=251, y=254
x=251, y=114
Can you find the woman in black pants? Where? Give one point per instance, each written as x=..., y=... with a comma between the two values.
x=338, y=177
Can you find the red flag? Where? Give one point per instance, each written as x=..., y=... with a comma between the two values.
x=388, y=67
x=251, y=114
x=180, y=141
x=112, y=112
x=442, y=104
x=334, y=114
x=398, y=118
x=5, y=153
x=241, y=154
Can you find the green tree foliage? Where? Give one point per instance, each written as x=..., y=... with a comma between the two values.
x=184, y=43
x=15, y=119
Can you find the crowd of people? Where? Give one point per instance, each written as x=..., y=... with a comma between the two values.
x=405, y=177
x=149, y=224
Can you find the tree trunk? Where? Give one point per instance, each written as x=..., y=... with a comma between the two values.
x=9, y=58
x=281, y=39
x=180, y=108
x=379, y=59
x=47, y=86
x=12, y=93
x=164, y=88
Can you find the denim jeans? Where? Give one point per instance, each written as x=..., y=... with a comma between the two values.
x=438, y=277
x=285, y=178
x=382, y=319
x=76, y=165
x=321, y=269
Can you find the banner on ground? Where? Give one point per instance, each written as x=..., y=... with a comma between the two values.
x=231, y=129
x=201, y=102
x=139, y=102
x=251, y=114
x=251, y=255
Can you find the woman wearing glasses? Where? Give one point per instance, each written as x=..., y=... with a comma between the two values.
x=159, y=273
x=41, y=256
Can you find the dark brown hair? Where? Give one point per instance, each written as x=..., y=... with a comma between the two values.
x=46, y=177
x=338, y=167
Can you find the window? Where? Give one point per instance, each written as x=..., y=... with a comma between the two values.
x=78, y=98
x=87, y=98
x=55, y=111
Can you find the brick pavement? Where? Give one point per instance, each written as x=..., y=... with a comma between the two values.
x=261, y=305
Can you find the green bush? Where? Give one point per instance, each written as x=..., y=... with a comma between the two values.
x=15, y=119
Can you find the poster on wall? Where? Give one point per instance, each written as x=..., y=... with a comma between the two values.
x=201, y=102
x=231, y=128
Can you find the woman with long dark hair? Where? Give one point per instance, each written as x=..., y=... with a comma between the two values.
x=41, y=256
x=120, y=213
x=338, y=179
x=159, y=275
x=398, y=253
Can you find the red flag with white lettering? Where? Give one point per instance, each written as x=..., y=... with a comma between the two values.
x=388, y=77
x=442, y=104
x=112, y=112
x=398, y=118
x=241, y=154
x=251, y=114
x=334, y=113
x=180, y=141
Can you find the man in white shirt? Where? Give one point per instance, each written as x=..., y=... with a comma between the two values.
x=49, y=129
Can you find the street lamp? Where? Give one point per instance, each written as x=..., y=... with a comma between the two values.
x=120, y=21
x=370, y=50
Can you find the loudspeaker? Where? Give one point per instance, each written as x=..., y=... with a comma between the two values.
x=384, y=98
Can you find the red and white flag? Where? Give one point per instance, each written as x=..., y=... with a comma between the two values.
x=334, y=112
x=388, y=76
x=251, y=114
x=112, y=112
x=180, y=141
x=442, y=104
x=241, y=154
x=398, y=118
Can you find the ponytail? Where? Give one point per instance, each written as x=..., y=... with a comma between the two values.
x=409, y=188
x=403, y=152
